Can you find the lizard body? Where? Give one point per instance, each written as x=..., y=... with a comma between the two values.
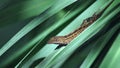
x=87, y=22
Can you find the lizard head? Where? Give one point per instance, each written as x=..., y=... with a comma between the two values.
x=57, y=40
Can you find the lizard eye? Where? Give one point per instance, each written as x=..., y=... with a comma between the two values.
x=89, y=19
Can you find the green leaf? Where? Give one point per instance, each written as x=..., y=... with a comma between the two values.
x=34, y=23
x=22, y=10
x=41, y=36
x=111, y=59
x=85, y=35
x=98, y=46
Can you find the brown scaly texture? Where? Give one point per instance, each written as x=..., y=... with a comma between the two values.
x=68, y=38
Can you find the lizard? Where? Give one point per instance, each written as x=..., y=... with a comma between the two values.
x=63, y=40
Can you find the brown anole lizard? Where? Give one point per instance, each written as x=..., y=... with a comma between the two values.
x=63, y=40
